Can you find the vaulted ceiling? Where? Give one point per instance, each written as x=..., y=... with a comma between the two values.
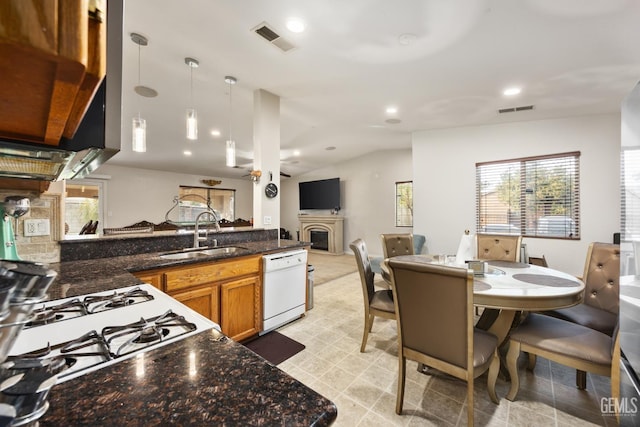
x=440, y=63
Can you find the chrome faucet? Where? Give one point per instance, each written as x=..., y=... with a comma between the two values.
x=196, y=234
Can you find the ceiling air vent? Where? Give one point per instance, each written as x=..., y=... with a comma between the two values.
x=514, y=109
x=269, y=34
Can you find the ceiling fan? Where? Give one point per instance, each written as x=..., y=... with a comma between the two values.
x=249, y=166
x=253, y=173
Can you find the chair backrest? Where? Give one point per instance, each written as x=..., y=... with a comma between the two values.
x=541, y=261
x=434, y=310
x=500, y=247
x=397, y=244
x=601, y=277
x=359, y=249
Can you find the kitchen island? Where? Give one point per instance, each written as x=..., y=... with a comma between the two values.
x=199, y=380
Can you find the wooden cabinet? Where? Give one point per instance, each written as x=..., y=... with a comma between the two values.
x=229, y=292
x=235, y=297
x=204, y=300
x=52, y=59
x=153, y=278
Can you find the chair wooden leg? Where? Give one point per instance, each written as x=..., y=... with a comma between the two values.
x=368, y=321
x=615, y=374
x=531, y=364
x=402, y=365
x=470, y=401
x=581, y=379
x=512, y=366
x=494, y=368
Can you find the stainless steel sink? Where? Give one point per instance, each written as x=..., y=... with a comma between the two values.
x=196, y=253
x=224, y=250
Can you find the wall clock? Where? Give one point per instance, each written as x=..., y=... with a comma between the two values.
x=271, y=190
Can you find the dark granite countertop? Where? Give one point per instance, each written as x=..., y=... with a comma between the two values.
x=102, y=274
x=194, y=381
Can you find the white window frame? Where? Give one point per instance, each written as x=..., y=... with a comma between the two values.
x=533, y=196
x=403, y=218
x=102, y=197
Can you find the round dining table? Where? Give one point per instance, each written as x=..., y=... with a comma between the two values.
x=507, y=288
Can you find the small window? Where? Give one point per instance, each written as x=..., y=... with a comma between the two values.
x=194, y=200
x=404, y=204
x=534, y=196
x=82, y=203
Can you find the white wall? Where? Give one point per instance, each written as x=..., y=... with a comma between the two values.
x=444, y=179
x=134, y=195
x=367, y=187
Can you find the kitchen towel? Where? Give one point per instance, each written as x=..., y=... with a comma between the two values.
x=466, y=248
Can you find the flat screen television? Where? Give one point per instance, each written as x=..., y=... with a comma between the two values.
x=321, y=194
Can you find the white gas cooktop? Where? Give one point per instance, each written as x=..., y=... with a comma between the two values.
x=98, y=330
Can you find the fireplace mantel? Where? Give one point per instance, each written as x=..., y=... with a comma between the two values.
x=332, y=224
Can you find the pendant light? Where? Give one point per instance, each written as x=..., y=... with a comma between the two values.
x=139, y=125
x=192, y=115
x=231, y=144
x=139, y=134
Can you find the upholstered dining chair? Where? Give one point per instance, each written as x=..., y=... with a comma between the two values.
x=435, y=325
x=376, y=302
x=601, y=278
x=502, y=247
x=567, y=343
x=397, y=244
x=601, y=305
x=541, y=261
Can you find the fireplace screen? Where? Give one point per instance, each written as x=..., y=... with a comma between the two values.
x=320, y=240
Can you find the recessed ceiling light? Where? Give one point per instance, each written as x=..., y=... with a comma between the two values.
x=187, y=152
x=296, y=152
x=330, y=148
x=511, y=91
x=391, y=110
x=295, y=25
x=215, y=132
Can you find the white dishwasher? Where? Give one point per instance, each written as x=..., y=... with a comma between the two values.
x=284, y=287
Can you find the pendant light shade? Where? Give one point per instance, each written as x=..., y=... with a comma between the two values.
x=138, y=124
x=139, y=135
x=192, y=124
x=192, y=115
x=231, y=144
x=231, y=154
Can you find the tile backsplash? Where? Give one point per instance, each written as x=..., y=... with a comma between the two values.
x=43, y=206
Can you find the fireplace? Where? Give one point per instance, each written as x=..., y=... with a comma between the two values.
x=320, y=239
x=324, y=231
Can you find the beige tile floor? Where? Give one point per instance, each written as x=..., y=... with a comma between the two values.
x=363, y=385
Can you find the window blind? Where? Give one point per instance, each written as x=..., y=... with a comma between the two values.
x=630, y=188
x=534, y=196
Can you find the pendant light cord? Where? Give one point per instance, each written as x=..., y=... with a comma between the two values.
x=191, y=70
x=138, y=64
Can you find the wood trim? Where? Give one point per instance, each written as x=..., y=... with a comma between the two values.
x=24, y=184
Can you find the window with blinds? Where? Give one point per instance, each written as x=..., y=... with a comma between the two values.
x=404, y=204
x=534, y=196
x=630, y=186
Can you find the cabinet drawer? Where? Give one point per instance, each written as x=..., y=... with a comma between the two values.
x=211, y=272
